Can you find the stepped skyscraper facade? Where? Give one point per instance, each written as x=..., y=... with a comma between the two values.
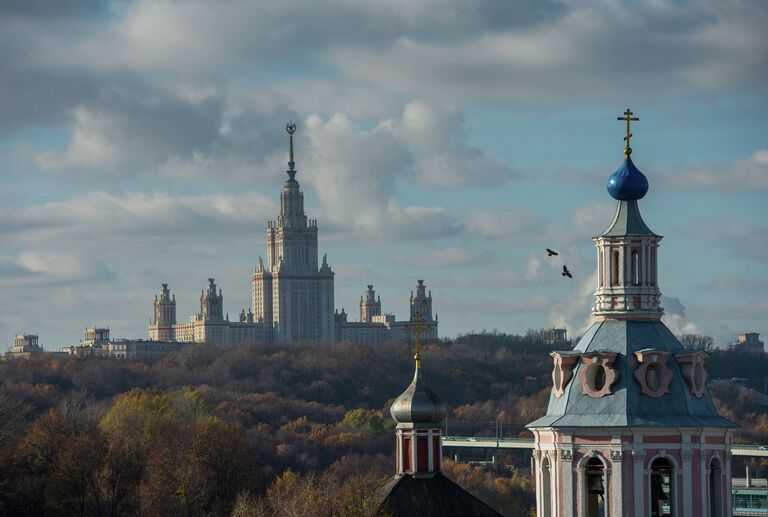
x=292, y=293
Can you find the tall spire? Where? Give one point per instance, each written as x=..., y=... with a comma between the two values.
x=290, y=128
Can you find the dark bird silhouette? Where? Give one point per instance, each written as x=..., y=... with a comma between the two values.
x=566, y=272
x=551, y=252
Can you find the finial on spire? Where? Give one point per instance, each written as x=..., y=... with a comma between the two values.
x=290, y=128
x=417, y=334
x=628, y=117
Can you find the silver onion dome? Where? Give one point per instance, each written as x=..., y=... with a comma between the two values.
x=417, y=404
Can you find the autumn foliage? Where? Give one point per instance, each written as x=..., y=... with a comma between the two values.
x=263, y=429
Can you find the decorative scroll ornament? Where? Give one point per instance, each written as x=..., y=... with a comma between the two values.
x=597, y=373
x=562, y=371
x=566, y=455
x=694, y=367
x=652, y=373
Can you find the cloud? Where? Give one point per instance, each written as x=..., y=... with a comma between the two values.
x=446, y=160
x=35, y=268
x=109, y=224
x=523, y=224
x=513, y=223
x=735, y=284
x=444, y=258
x=742, y=239
x=740, y=175
x=682, y=47
x=354, y=174
x=746, y=174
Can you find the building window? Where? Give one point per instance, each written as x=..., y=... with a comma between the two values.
x=715, y=489
x=595, y=488
x=662, y=488
x=635, y=259
x=615, y=267
x=546, y=491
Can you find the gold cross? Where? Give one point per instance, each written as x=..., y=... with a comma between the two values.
x=628, y=116
x=417, y=326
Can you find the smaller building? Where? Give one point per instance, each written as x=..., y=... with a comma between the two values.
x=555, y=336
x=139, y=348
x=24, y=345
x=210, y=325
x=97, y=343
x=375, y=327
x=750, y=496
x=95, y=336
x=748, y=342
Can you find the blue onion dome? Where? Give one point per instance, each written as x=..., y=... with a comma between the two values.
x=417, y=404
x=627, y=183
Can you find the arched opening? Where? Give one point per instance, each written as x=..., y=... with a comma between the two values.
x=596, y=379
x=635, y=260
x=546, y=488
x=615, y=267
x=715, y=489
x=652, y=377
x=595, y=489
x=662, y=488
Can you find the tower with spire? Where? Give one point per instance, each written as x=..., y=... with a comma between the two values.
x=419, y=487
x=292, y=293
x=161, y=327
x=630, y=428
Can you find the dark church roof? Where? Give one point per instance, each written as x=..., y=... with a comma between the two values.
x=435, y=496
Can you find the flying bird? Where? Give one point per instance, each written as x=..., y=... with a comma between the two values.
x=551, y=252
x=566, y=272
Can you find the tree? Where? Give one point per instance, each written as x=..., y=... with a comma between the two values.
x=696, y=342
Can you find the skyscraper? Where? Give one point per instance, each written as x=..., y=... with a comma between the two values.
x=291, y=294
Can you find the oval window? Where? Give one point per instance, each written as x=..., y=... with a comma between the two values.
x=598, y=377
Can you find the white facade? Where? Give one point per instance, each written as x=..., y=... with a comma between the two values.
x=291, y=294
x=375, y=327
x=210, y=325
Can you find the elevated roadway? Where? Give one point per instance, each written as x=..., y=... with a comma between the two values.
x=491, y=442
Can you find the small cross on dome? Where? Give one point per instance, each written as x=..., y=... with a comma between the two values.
x=628, y=117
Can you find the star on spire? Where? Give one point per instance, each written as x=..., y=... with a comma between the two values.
x=290, y=128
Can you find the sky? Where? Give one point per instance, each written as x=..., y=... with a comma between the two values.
x=143, y=141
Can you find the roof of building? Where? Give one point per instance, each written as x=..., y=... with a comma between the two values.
x=627, y=183
x=626, y=405
x=627, y=221
x=406, y=495
x=418, y=404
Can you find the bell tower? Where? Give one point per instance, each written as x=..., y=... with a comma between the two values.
x=630, y=429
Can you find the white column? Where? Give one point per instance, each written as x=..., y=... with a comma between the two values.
x=638, y=457
x=565, y=506
x=727, y=497
x=539, y=482
x=687, y=481
x=617, y=498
